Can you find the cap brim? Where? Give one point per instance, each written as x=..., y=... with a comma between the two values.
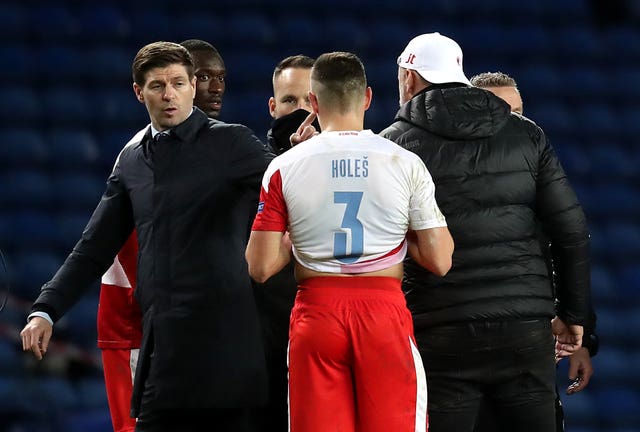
x=443, y=77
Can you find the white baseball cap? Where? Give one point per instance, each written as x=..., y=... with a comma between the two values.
x=437, y=58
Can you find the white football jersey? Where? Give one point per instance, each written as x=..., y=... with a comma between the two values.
x=347, y=200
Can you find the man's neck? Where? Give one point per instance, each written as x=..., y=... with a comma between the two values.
x=342, y=122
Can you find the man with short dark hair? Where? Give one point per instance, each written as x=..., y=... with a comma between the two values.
x=187, y=185
x=345, y=199
x=119, y=319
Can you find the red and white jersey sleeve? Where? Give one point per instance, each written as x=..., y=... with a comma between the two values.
x=347, y=200
x=119, y=315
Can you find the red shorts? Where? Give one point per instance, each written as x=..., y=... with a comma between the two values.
x=353, y=361
x=119, y=366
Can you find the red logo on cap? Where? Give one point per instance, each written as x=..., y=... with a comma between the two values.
x=410, y=59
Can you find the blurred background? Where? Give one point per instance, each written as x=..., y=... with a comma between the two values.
x=67, y=108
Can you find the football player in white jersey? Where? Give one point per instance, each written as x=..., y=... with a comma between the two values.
x=348, y=205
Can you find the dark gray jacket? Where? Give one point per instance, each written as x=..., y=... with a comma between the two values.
x=191, y=205
x=497, y=181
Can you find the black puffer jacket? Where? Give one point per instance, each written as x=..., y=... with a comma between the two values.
x=497, y=180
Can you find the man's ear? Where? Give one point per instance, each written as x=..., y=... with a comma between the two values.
x=313, y=100
x=272, y=106
x=138, y=91
x=368, y=95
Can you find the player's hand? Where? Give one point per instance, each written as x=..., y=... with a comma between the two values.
x=568, y=338
x=36, y=336
x=580, y=370
x=305, y=131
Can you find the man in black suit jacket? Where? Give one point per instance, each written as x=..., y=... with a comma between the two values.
x=187, y=186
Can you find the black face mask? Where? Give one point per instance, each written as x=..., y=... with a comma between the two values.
x=283, y=127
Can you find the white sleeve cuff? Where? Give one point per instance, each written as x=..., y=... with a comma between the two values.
x=41, y=315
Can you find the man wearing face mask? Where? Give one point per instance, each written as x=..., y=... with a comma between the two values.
x=290, y=107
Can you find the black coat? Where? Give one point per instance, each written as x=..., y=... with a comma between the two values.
x=497, y=181
x=191, y=205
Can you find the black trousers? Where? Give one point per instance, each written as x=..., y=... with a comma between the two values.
x=198, y=420
x=507, y=364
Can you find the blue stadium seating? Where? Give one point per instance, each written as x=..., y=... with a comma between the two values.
x=619, y=405
x=119, y=109
x=14, y=22
x=23, y=148
x=103, y=22
x=25, y=188
x=96, y=420
x=17, y=63
x=67, y=106
x=78, y=191
x=31, y=270
x=110, y=64
x=11, y=358
x=20, y=104
x=52, y=22
x=66, y=66
x=73, y=149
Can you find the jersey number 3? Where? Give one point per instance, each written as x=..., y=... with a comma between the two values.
x=349, y=221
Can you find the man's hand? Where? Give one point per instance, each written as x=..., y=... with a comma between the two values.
x=36, y=336
x=568, y=338
x=305, y=131
x=580, y=370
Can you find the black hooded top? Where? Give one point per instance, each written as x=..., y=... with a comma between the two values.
x=498, y=183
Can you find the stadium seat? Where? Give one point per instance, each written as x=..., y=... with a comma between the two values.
x=110, y=64
x=67, y=106
x=12, y=397
x=119, y=109
x=32, y=230
x=23, y=148
x=14, y=21
x=53, y=23
x=611, y=161
x=554, y=117
x=251, y=29
x=614, y=198
x=96, y=420
x=621, y=42
x=78, y=328
x=69, y=227
x=11, y=356
x=203, y=25
x=92, y=393
x=301, y=33
x=53, y=393
x=17, y=63
x=65, y=65
x=629, y=277
x=78, y=191
x=597, y=119
x=352, y=35
x=31, y=270
x=73, y=149
x=25, y=188
x=576, y=42
x=572, y=156
x=21, y=105
x=104, y=22
x=619, y=406
x=603, y=283
x=541, y=79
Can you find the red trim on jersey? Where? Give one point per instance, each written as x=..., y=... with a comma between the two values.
x=272, y=210
x=119, y=316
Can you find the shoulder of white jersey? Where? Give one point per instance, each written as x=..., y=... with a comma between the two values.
x=136, y=139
